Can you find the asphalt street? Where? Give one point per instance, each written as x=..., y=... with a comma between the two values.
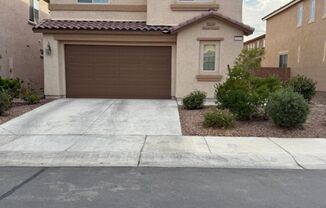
x=161, y=187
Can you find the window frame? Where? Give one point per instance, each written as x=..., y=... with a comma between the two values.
x=217, y=45
x=109, y=1
x=312, y=9
x=34, y=12
x=300, y=14
x=285, y=53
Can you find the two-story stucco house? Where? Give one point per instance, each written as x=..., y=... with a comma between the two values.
x=147, y=49
x=296, y=38
x=257, y=42
x=20, y=48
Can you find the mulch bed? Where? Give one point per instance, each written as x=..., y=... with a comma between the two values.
x=19, y=108
x=315, y=127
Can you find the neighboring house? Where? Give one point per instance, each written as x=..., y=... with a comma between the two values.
x=144, y=49
x=20, y=48
x=296, y=38
x=258, y=42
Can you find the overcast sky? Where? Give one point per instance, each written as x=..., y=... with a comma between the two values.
x=255, y=10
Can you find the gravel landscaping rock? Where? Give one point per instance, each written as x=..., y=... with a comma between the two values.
x=315, y=126
x=19, y=108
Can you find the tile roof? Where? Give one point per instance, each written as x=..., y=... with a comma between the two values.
x=141, y=26
x=49, y=24
x=213, y=14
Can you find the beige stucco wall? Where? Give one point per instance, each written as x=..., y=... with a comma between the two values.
x=19, y=46
x=306, y=45
x=99, y=15
x=160, y=13
x=188, y=57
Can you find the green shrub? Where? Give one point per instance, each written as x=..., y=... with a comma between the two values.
x=219, y=119
x=264, y=87
x=303, y=85
x=12, y=86
x=287, y=108
x=5, y=101
x=30, y=96
x=194, y=100
x=243, y=94
x=250, y=59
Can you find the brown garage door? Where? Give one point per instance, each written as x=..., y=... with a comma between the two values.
x=141, y=72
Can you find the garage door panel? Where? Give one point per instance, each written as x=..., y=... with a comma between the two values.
x=118, y=71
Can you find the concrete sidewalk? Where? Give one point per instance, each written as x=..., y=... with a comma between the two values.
x=161, y=151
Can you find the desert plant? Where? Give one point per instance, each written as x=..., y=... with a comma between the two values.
x=30, y=96
x=5, y=101
x=194, y=100
x=244, y=94
x=250, y=58
x=303, y=85
x=287, y=108
x=12, y=86
x=219, y=119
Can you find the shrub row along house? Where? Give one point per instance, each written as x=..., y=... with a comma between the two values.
x=296, y=38
x=20, y=48
x=139, y=48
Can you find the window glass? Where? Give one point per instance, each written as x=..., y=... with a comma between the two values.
x=283, y=61
x=312, y=10
x=34, y=7
x=209, y=57
x=300, y=15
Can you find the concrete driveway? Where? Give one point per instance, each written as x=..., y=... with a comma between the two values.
x=98, y=117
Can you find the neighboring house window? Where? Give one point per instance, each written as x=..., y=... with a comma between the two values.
x=283, y=61
x=93, y=1
x=210, y=53
x=34, y=7
x=300, y=14
x=312, y=10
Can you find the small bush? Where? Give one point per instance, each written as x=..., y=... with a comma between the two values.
x=287, y=108
x=243, y=94
x=5, y=101
x=219, y=119
x=195, y=100
x=12, y=86
x=30, y=96
x=304, y=86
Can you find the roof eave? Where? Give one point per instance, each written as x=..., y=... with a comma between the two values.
x=246, y=29
x=281, y=9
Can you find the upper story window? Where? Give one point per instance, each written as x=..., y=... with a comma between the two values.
x=209, y=54
x=312, y=10
x=300, y=14
x=283, y=60
x=94, y=1
x=34, y=8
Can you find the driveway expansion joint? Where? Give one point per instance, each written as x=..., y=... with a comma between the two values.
x=141, y=151
x=98, y=117
x=28, y=180
x=288, y=152
x=209, y=148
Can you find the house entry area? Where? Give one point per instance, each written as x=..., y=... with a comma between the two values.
x=126, y=72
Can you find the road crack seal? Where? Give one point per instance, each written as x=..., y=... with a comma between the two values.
x=295, y=160
x=15, y=188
